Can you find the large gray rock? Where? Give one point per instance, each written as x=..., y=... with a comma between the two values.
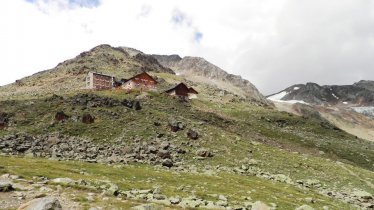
x=258, y=205
x=63, y=181
x=192, y=134
x=146, y=207
x=304, y=207
x=113, y=189
x=204, y=153
x=47, y=203
x=168, y=163
x=5, y=186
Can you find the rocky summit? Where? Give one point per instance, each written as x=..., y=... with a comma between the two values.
x=200, y=69
x=358, y=94
x=116, y=128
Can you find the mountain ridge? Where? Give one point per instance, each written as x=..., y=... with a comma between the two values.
x=195, y=67
x=360, y=94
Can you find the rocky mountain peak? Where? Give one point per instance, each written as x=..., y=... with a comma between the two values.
x=358, y=94
x=199, y=69
x=367, y=84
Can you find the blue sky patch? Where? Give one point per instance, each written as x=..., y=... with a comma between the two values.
x=79, y=3
x=198, y=36
x=178, y=17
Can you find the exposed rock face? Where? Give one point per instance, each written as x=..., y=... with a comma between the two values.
x=195, y=66
x=360, y=94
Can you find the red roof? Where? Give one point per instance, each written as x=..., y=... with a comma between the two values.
x=143, y=76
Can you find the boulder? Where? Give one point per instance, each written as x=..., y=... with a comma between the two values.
x=192, y=134
x=164, y=154
x=46, y=203
x=175, y=125
x=222, y=203
x=222, y=198
x=5, y=186
x=168, y=163
x=88, y=119
x=174, y=200
x=127, y=103
x=146, y=207
x=164, y=145
x=137, y=106
x=61, y=116
x=63, y=181
x=4, y=120
x=258, y=205
x=304, y=207
x=113, y=189
x=204, y=153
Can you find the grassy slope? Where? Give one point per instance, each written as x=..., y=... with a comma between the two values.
x=235, y=187
x=229, y=130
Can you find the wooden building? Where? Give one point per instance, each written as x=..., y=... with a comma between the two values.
x=181, y=90
x=192, y=93
x=98, y=81
x=141, y=81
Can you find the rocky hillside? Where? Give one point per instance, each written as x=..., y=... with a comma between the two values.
x=358, y=94
x=124, y=62
x=199, y=69
x=69, y=76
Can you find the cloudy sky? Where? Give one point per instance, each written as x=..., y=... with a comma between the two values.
x=272, y=43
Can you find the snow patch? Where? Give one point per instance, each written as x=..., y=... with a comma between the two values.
x=294, y=102
x=335, y=96
x=296, y=88
x=345, y=102
x=365, y=110
x=278, y=96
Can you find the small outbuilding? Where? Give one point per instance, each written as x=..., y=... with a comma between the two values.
x=181, y=90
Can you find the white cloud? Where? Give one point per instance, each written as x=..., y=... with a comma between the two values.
x=273, y=43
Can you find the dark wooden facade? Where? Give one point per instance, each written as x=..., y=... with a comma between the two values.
x=181, y=90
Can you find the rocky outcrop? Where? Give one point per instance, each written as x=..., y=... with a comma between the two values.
x=5, y=186
x=367, y=84
x=195, y=66
x=47, y=203
x=67, y=148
